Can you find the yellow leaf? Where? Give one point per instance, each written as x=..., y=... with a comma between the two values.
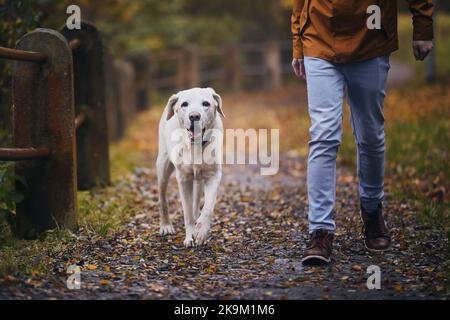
x=397, y=286
x=104, y=282
x=156, y=287
x=92, y=267
x=211, y=269
x=357, y=267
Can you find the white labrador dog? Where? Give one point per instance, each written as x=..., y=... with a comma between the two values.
x=190, y=142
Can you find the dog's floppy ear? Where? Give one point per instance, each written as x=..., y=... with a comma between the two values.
x=170, y=106
x=218, y=99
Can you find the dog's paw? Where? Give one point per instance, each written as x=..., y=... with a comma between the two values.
x=189, y=242
x=166, y=229
x=201, y=232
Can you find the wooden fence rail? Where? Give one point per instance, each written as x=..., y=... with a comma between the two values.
x=43, y=120
x=60, y=129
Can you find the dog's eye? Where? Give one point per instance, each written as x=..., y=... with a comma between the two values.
x=206, y=104
x=185, y=104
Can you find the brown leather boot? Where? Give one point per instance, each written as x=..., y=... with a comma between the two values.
x=319, y=249
x=376, y=234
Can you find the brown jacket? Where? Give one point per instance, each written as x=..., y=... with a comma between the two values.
x=336, y=30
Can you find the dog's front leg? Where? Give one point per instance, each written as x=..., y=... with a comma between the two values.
x=197, y=194
x=204, y=221
x=186, y=188
x=164, y=170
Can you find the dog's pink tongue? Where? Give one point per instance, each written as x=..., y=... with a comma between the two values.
x=197, y=135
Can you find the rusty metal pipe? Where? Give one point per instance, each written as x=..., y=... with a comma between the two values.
x=80, y=119
x=19, y=154
x=74, y=44
x=21, y=55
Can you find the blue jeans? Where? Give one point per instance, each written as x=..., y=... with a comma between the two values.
x=365, y=84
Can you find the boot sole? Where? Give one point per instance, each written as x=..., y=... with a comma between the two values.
x=378, y=251
x=315, y=260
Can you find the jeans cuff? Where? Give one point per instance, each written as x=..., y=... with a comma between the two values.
x=330, y=230
x=370, y=205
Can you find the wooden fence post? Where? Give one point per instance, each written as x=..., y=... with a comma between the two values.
x=151, y=87
x=180, y=76
x=190, y=68
x=272, y=61
x=114, y=117
x=89, y=77
x=44, y=116
x=126, y=92
x=141, y=65
x=232, y=68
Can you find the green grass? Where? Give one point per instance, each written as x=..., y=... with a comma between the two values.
x=419, y=147
x=21, y=257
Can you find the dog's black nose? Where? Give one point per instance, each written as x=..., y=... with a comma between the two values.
x=194, y=116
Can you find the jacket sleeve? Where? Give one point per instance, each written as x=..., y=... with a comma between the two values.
x=295, y=28
x=422, y=11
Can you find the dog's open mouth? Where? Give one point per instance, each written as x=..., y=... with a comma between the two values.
x=196, y=134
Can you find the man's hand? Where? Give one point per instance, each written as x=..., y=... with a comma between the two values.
x=299, y=68
x=422, y=49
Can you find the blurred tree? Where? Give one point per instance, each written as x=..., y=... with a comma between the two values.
x=257, y=19
x=131, y=25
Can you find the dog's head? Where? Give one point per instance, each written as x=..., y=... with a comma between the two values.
x=196, y=110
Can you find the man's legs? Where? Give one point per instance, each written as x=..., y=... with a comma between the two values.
x=366, y=85
x=325, y=84
x=365, y=82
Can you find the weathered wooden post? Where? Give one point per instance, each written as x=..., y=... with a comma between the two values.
x=190, y=67
x=116, y=127
x=180, y=76
x=151, y=79
x=141, y=65
x=232, y=68
x=89, y=77
x=126, y=92
x=272, y=61
x=44, y=116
